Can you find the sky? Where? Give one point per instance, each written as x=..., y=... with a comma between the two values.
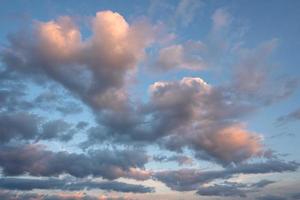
x=142, y=100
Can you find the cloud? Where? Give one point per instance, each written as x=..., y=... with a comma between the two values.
x=175, y=15
x=57, y=129
x=12, y=98
x=51, y=100
x=221, y=19
x=21, y=126
x=296, y=196
x=253, y=78
x=192, y=113
x=187, y=113
x=232, y=189
x=191, y=179
x=37, y=161
x=95, y=69
x=292, y=116
x=186, y=11
x=8, y=195
x=25, y=126
x=181, y=56
x=180, y=159
x=26, y=184
x=262, y=183
x=271, y=197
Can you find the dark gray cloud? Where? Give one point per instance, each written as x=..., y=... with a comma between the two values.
x=36, y=161
x=271, y=197
x=295, y=196
x=12, y=99
x=262, y=183
x=8, y=195
x=232, y=189
x=191, y=179
x=26, y=126
x=57, y=129
x=225, y=190
x=25, y=184
x=21, y=126
x=53, y=100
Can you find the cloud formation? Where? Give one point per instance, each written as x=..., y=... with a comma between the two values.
x=26, y=184
x=24, y=126
x=95, y=69
x=191, y=179
x=94, y=72
x=232, y=189
x=37, y=161
x=192, y=113
x=62, y=196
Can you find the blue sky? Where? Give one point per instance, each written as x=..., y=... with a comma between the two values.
x=182, y=99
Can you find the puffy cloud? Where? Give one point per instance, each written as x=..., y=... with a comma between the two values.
x=95, y=69
x=186, y=113
x=191, y=179
x=25, y=184
x=36, y=161
x=58, y=41
x=194, y=114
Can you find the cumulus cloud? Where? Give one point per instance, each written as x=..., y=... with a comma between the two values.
x=192, y=113
x=37, y=161
x=187, y=113
x=95, y=69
